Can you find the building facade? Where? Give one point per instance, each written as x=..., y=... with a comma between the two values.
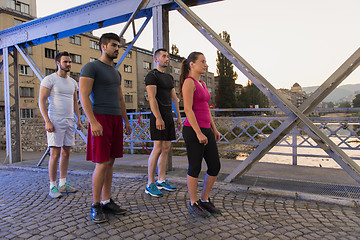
x=83, y=48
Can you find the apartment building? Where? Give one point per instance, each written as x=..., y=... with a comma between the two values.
x=83, y=48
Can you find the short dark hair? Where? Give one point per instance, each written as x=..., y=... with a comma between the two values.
x=159, y=50
x=60, y=54
x=106, y=37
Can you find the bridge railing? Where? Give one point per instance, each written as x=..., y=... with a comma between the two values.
x=242, y=130
x=252, y=126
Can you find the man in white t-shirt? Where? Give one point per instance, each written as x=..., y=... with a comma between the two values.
x=61, y=90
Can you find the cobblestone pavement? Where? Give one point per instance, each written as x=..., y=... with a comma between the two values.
x=26, y=212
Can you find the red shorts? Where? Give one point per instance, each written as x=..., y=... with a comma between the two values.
x=110, y=144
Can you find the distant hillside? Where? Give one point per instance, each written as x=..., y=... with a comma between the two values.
x=346, y=92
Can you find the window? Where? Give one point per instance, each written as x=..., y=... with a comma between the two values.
x=176, y=83
x=209, y=80
x=93, y=59
x=25, y=70
x=26, y=113
x=26, y=92
x=202, y=78
x=147, y=65
x=18, y=22
x=128, y=83
x=49, y=71
x=75, y=40
x=176, y=70
x=146, y=95
x=129, y=55
x=28, y=50
x=75, y=75
x=94, y=45
x=127, y=68
x=19, y=6
x=49, y=53
x=75, y=58
x=128, y=98
x=25, y=8
x=11, y=4
x=210, y=90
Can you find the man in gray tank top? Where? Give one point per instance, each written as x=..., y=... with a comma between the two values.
x=103, y=102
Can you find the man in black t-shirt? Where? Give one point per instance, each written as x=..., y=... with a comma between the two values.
x=162, y=96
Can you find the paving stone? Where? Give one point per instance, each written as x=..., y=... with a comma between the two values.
x=245, y=216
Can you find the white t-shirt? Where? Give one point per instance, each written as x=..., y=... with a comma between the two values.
x=61, y=99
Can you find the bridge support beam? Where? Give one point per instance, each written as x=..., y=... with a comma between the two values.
x=295, y=115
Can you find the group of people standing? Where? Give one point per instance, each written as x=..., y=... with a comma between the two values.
x=103, y=102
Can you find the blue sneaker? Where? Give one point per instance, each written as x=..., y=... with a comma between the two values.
x=165, y=185
x=152, y=190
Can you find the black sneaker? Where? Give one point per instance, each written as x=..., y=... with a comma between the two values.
x=96, y=213
x=210, y=207
x=197, y=210
x=113, y=208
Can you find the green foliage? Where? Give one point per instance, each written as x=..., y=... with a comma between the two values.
x=330, y=104
x=251, y=95
x=356, y=101
x=226, y=87
x=345, y=105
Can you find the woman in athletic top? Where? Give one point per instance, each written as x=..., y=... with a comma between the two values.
x=200, y=134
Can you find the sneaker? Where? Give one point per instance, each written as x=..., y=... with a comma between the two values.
x=96, y=213
x=54, y=192
x=67, y=188
x=210, y=207
x=152, y=190
x=197, y=210
x=113, y=208
x=165, y=185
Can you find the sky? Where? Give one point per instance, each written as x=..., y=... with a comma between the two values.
x=286, y=41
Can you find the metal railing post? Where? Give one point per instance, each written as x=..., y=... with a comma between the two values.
x=294, y=145
x=132, y=133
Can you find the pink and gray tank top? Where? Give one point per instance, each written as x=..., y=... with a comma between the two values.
x=200, y=105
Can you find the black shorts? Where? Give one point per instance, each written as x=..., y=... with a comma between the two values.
x=168, y=134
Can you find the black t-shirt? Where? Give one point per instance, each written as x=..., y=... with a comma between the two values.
x=164, y=84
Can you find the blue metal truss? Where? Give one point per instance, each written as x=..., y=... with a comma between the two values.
x=295, y=115
x=80, y=19
x=77, y=20
x=104, y=13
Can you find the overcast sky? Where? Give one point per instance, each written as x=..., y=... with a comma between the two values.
x=286, y=41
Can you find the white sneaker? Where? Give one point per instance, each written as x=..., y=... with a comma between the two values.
x=54, y=192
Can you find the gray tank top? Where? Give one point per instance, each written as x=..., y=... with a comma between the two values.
x=105, y=92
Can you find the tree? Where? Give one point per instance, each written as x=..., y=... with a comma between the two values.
x=227, y=76
x=174, y=49
x=356, y=101
x=345, y=105
x=251, y=96
x=330, y=104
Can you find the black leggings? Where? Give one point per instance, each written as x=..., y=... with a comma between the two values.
x=197, y=151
